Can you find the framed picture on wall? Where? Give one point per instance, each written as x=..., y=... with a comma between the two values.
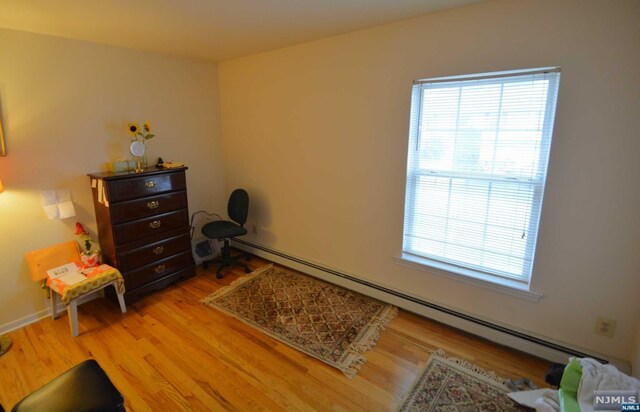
x=3, y=148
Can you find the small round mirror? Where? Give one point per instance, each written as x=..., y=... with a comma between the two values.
x=137, y=148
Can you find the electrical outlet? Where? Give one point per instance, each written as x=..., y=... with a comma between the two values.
x=605, y=327
x=254, y=228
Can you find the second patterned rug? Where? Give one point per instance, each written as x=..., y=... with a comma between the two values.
x=330, y=323
x=452, y=384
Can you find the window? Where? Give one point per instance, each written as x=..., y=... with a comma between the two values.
x=478, y=152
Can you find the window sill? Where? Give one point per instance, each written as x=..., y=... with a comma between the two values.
x=501, y=285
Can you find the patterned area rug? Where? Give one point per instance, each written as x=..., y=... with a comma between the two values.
x=322, y=320
x=451, y=384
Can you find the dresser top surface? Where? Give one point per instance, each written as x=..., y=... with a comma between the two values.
x=150, y=171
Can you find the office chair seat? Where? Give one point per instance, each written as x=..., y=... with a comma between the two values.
x=237, y=209
x=222, y=229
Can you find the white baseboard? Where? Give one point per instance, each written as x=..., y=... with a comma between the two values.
x=538, y=346
x=24, y=321
x=41, y=314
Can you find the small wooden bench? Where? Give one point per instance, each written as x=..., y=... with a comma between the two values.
x=98, y=278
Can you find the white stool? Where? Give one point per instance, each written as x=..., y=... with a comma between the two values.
x=39, y=261
x=72, y=307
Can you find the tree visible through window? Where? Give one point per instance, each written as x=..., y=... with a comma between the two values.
x=478, y=152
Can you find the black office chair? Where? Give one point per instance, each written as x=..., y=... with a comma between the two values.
x=237, y=209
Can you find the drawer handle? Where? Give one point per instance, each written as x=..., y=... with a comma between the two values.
x=153, y=205
x=155, y=224
x=159, y=269
x=150, y=184
x=158, y=250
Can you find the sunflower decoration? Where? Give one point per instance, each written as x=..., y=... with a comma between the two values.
x=136, y=131
x=133, y=129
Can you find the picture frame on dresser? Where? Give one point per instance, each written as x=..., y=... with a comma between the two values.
x=143, y=227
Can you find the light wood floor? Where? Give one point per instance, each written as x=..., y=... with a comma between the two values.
x=169, y=353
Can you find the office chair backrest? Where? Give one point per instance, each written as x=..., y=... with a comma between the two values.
x=238, y=207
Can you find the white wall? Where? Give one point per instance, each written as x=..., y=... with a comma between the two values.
x=635, y=355
x=65, y=105
x=318, y=135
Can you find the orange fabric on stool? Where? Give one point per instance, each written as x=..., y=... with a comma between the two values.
x=96, y=277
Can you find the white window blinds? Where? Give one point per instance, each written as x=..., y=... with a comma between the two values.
x=478, y=153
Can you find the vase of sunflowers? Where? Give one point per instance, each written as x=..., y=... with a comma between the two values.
x=138, y=138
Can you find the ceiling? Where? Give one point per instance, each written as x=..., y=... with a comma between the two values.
x=214, y=30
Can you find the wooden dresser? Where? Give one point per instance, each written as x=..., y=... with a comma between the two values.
x=143, y=227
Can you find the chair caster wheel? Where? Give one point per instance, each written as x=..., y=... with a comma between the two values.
x=205, y=265
x=218, y=275
x=247, y=270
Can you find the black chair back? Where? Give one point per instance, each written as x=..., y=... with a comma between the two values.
x=238, y=207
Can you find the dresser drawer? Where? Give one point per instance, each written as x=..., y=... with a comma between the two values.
x=149, y=206
x=153, y=252
x=157, y=270
x=138, y=229
x=133, y=188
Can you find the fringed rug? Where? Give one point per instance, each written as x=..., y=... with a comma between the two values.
x=322, y=320
x=451, y=384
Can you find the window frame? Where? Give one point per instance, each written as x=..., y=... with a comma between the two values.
x=537, y=181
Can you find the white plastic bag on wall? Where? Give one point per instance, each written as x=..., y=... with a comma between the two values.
x=202, y=247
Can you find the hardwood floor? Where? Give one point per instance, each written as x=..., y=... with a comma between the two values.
x=169, y=353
